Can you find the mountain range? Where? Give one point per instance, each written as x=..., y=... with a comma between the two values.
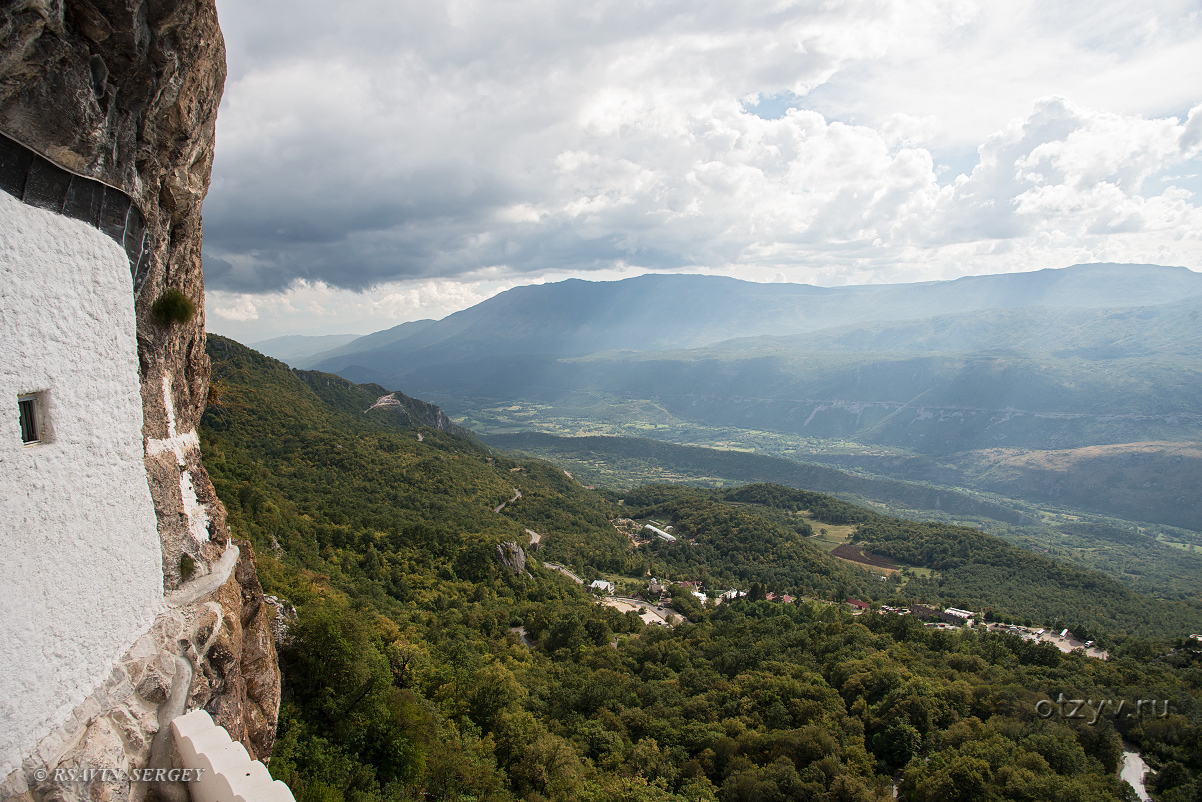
x=659, y=312
x=975, y=373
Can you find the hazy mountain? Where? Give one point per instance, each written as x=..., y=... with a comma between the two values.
x=298, y=349
x=653, y=312
x=1110, y=333
x=1093, y=355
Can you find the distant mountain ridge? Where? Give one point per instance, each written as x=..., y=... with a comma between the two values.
x=1056, y=360
x=1088, y=333
x=297, y=349
x=657, y=311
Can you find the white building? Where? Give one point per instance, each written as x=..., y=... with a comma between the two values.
x=603, y=586
x=82, y=576
x=661, y=534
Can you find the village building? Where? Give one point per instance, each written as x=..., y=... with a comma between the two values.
x=922, y=612
x=965, y=616
x=118, y=556
x=661, y=534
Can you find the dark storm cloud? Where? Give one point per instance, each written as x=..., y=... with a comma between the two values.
x=384, y=141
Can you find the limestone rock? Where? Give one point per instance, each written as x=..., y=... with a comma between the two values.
x=280, y=616
x=155, y=686
x=101, y=747
x=130, y=726
x=511, y=555
x=241, y=670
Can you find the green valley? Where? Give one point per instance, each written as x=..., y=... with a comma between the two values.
x=406, y=673
x=1157, y=560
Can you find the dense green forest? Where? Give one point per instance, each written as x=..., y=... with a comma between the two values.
x=404, y=676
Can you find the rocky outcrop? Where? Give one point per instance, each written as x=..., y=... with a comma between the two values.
x=241, y=675
x=416, y=412
x=126, y=92
x=510, y=555
x=393, y=408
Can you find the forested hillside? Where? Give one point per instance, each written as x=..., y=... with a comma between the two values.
x=968, y=569
x=404, y=677
x=1169, y=569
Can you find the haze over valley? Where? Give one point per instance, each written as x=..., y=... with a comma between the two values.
x=1078, y=388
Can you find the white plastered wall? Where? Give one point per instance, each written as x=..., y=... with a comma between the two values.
x=80, y=559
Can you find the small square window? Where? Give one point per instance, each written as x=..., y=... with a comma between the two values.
x=30, y=429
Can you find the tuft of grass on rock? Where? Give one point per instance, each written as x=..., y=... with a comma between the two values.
x=172, y=307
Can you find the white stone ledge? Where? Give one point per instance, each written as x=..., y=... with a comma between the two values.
x=227, y=772
x=202, y=586
x=178, y=444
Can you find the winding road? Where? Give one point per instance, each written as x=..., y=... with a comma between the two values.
x=517, y=494
x=563, y=569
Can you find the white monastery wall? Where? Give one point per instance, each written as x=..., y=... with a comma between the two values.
x=81, y=577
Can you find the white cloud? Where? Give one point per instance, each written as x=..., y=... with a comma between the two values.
x=240, y=308
x=318, y=308
x=407, y=149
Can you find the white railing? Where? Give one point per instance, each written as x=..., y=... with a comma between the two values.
x=227, y=774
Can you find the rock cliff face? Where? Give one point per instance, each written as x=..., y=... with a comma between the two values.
x=126, y=92
x=511, y=555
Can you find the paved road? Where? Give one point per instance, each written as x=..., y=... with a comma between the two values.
x=535, y=537
x=649, y=612
x=522, y=636
x=564, y=570
x=517, y=494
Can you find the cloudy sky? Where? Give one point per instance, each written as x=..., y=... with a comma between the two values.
x=397, y=160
